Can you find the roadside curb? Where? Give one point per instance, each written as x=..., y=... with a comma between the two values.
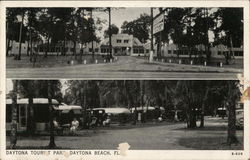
x=206, y=68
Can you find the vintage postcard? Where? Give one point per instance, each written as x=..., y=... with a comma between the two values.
x=124, y=80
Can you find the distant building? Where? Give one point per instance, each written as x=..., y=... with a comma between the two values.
x=14, y=48
x=56, y=49
x=88, y=47
x=219, y=51
x=122, y=44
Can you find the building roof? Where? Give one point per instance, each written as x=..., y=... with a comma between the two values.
x=122, y=36
x=35, y=101
x=114, y=110
x=146, y=108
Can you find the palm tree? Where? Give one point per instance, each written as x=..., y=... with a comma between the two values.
x=30, y=121
x=13, y=134
x=232, y=98
x=52, y=136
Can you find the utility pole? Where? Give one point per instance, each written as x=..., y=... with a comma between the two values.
x=207, y=48
x=109, y=30
x=152, y=43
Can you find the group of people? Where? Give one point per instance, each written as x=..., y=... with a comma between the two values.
x=73, y=126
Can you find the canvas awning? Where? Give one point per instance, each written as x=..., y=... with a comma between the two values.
x=35, y=101
x=67, y=108
x=114, y=110
x=146, y=108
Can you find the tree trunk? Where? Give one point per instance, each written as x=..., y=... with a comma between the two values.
x=141, y=99
x=110, y=34
x=231, y=137
x=74, y=49
x=20, y=37
x=92, y=42
x=52, y=136
x=63, y=48
x=85, y=105
x=28, y=48
x=47, y=48
x=191, y=119
x=203, y=107
x=30, y=43
x=231, y=47
x=31, y=48
x=8, y=46
x=14, y=107
x=30, y=120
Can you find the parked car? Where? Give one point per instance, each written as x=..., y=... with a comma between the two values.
x=239, y=118
x=222, y=112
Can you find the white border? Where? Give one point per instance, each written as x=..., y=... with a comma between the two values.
x=133, y=154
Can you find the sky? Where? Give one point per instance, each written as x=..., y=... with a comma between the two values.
x=119, y=15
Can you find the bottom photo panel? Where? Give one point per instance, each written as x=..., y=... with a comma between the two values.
x=136, y=114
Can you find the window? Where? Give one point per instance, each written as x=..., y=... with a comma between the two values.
x=169, y=51
x=141, y=50
x=135, y=50
x=90, y=49
x=72, y=49
x=118, y=41
x=104, y=50
x=238, y=53
x=180, y=52
x=96, y=49
x=219, y=53
x=225, y=52
x=147, y=51
x=175, y=52
x=126, y=41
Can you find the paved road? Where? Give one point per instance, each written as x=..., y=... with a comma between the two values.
x=126, y=68
x=161, y=137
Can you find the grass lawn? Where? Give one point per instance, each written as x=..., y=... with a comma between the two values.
x=51, y=61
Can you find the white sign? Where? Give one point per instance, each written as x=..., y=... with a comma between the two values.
x=158, y=23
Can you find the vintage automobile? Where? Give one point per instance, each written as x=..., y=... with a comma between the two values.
x=239, y=118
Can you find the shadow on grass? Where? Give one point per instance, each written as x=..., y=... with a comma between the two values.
x=209, y=143
x=206, y=128
x=138, y=125
x=35, y=147
x=51, y=61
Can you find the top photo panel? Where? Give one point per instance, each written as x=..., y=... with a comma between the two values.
x=124, y=42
